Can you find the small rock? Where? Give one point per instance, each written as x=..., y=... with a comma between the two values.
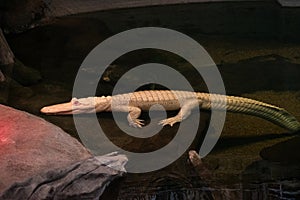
x=199, y=166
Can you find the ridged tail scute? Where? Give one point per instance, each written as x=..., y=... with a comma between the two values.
x=266, y=111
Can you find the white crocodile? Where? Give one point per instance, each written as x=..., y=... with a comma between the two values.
x=184, y=101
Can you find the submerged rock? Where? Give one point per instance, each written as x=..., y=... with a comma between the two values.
x=6, y=55
x=2, y=77
x=25, y=75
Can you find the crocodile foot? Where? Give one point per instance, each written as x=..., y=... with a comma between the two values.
x=169, y=121
x=136, y=123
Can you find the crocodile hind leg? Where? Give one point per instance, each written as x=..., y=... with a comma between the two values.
x=184, y=112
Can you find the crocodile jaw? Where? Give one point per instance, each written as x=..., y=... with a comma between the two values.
x=75, y=106
x=59, y=109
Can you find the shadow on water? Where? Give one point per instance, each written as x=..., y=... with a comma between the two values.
x=226, y=142
x=270, y=72
x=271, y=180
x=285, y=152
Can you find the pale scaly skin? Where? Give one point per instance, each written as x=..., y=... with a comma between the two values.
x=184, y=101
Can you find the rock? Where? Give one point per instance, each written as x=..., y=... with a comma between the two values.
x=84, y=180
x=3, y=91
x=29, y=145
x=199, y=166
x=6, y=55
x=11, y=91
x=20, y=15
x=2, y=77
x=4, y=86
x=14, y=68
x=25, y=75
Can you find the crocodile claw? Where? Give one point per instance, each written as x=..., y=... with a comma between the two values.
x=136, y=123
x=169, y=121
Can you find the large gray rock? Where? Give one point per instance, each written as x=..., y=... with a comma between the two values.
x=30, y=145
x=84, y=180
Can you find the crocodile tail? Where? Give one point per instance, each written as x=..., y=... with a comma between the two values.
x=286, y=120
x=266, y=111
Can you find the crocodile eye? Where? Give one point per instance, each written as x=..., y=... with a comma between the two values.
x=76, y=103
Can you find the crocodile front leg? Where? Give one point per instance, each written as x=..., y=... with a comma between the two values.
x=133, y=115
x=184, y=112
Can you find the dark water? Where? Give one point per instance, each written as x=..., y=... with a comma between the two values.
x=261, y=68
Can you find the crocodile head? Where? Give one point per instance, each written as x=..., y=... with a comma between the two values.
x=75, y=106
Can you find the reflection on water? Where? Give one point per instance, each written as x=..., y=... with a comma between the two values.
x=287, y=189
x=167, y=187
